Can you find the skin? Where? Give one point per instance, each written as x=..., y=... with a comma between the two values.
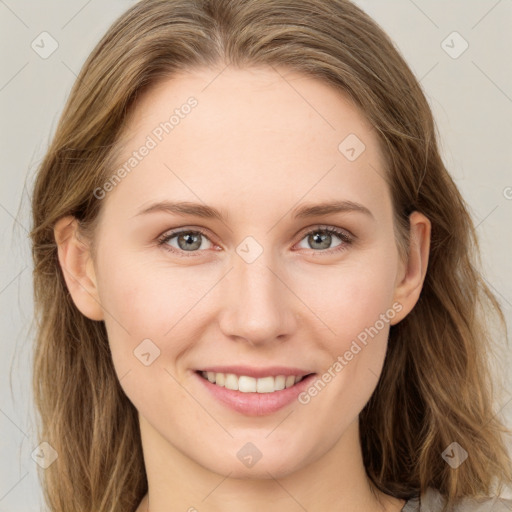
x=260, y=142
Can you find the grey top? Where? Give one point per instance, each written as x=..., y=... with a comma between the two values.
x=432, y=501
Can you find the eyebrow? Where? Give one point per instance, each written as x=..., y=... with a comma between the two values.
x=316, y=210
x=209, y=212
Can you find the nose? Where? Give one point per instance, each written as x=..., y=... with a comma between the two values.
x=257, y=304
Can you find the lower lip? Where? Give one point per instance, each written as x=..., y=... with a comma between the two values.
x=256, y=404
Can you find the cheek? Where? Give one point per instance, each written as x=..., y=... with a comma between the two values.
x=147, y=298
x=151, y=316
x=357, y=308
x=143, y=307
x=351, y=297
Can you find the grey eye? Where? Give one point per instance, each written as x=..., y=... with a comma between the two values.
x=320, y=239
x=187, y=240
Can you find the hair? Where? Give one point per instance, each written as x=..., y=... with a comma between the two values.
x=436, y=385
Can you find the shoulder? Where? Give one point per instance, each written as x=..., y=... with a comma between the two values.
x=432, y=501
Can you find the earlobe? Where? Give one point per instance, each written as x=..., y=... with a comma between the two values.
x=76, y=264
x=412, y=276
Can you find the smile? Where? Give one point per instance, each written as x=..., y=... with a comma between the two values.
x=254, y=395
x=246, y=384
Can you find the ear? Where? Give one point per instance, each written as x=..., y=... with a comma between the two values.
x=78, y=269
x=412, y=273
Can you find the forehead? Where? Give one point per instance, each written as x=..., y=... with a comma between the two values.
x=268, y=99
x=250, y=133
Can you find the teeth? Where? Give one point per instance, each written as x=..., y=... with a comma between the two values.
x=250, y=384
x=231, y=382
x=247, y=384
x=220, y=380
x=290, y=381
x=279, y=382
x=266, y=385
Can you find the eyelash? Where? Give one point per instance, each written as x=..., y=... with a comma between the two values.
x=344, y=237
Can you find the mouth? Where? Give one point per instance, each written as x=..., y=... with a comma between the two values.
x=254, y=395
x=247, y=384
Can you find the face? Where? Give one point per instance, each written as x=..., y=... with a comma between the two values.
x=260, y=290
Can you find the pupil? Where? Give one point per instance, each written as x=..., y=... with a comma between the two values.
x=319, y=238
x=191, y=241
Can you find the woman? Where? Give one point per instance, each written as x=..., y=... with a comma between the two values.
x=256, y=281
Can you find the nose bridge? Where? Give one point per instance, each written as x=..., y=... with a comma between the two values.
x=257, y=304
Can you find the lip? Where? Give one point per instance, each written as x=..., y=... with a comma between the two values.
x=256, y=404
x=251, y=371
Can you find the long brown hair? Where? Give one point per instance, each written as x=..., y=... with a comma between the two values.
x=435, y=388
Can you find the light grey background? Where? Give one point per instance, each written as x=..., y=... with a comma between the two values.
x=471, y=97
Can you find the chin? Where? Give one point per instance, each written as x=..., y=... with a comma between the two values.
x=270, y=465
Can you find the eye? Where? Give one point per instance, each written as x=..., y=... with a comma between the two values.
x=322, y=237
x=191, y=241
x=186, y=241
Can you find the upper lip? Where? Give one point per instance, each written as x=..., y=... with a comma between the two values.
x=269, y=371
